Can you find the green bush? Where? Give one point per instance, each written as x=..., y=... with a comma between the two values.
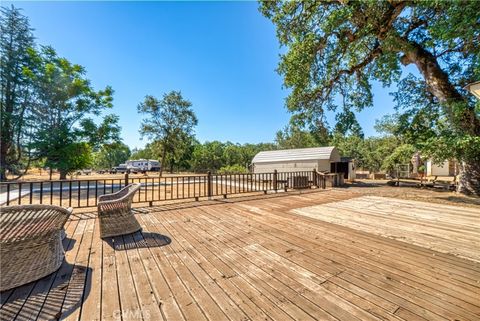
x=401, y=155
x=233, y=169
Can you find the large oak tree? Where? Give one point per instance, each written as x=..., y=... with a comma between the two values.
x=337, y=48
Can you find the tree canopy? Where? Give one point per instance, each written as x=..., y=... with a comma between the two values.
x=63, y=100
x=47, y=104
x=335, y=49
x=16, y=39
x=110, y=155
x=169, y=121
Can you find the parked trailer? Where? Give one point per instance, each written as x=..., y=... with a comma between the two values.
x=143, y=165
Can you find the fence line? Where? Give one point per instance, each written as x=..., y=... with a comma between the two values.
x=84, y=193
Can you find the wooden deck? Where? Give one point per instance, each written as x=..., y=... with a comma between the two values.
x=250, y=259
x=444, y=228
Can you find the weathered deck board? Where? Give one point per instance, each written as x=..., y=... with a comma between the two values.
x=348, y=261
x=448, y=229
x=266, y=258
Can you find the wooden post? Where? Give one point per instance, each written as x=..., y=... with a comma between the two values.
x=315, y=178
x=209, y=184
x=275, y=181
x=126, y=178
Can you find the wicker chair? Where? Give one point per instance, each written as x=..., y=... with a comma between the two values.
x=30, y=242
x=115, y=212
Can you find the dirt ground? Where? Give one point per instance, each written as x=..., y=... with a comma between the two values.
x=425, y=194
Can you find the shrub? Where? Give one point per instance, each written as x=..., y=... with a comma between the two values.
x=233, y=169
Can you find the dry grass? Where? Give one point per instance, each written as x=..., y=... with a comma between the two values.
x=42, y=175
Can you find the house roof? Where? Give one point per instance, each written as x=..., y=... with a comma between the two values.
x=316, y=153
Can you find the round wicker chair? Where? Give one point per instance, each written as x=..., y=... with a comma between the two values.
x=115, y=212
x=30, y=242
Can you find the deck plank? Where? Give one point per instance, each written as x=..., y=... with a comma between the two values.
x=339, y=256
x=197, y=290
x=277, y=276
x=92, y=298
x=156, y=240
x=52, y=307
x=110, y=300
x=128, y=292
x=275, y=302
x=72, y=304
x=348, y=260
x=163, y=295
x=299, y=279
x=433, y=226
x=221, y=273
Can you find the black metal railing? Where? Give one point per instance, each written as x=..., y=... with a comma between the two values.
x=84, y=193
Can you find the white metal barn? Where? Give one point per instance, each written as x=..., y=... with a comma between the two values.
x=294, y=160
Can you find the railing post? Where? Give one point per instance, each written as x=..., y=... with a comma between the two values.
x=275, y=186
x=126, y=178
x=315, y=178
x=209, y=184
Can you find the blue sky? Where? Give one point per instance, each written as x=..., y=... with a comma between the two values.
x=221, y=55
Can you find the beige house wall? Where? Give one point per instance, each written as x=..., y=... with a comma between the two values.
x=437, y=170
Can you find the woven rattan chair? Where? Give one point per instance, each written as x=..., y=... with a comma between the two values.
x=30, y=242
x=115, y=212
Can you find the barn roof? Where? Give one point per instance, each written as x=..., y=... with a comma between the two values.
x=316, y=153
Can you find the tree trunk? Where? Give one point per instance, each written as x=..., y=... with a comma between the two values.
x=63, y=174
x=162, y=162
x=5, y=142
x=469, y=178
x=3, y=169
x=440, y=86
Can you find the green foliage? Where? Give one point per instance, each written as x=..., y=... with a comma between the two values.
x=170, y=122
x=70, y=158
x=208, y=157
x=212, y=156
x=369, y=153
x=445, y=147
x=107, y=133
x=111, y=155
x=63, y=101
x=335, y=49
x=16, y=39
x=149, y=152
x=233, y=169
x=47, y=103
x=401, y=155
x=293, y=137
